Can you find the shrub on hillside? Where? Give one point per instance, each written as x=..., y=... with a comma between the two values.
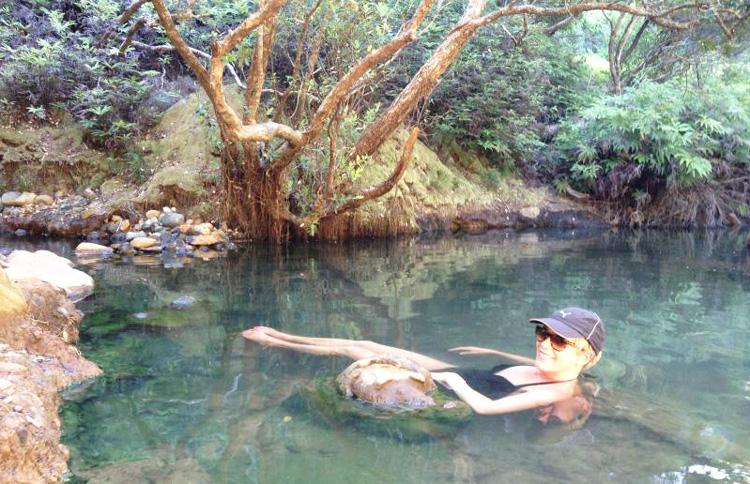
x=657, y=137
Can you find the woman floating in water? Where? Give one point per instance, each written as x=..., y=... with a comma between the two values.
x=567, y=343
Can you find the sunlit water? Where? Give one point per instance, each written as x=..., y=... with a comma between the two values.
x=185, y=399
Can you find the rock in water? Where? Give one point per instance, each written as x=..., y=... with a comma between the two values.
x=89, y=249
x=58, y=271
x=388, y=380
x=143, y=242
x=203, y=240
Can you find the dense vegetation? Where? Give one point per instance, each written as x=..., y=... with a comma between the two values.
x=653, y=122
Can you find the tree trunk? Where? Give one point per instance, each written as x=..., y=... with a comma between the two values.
x=253, y=195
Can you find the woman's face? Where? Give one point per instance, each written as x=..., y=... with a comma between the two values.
x=560, y=358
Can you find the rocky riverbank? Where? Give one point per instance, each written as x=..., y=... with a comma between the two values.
x=38, y=329
x=111, y=231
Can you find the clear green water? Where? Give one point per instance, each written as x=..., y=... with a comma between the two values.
x=185, y=399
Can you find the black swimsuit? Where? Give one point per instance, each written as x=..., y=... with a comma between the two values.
x=488, y=383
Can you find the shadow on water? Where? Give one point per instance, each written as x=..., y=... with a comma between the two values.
x=185, y=397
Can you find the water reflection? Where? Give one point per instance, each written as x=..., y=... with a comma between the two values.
x=184, y=395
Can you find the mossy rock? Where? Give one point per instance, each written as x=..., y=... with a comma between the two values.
x=172, y=318
x=410, y=424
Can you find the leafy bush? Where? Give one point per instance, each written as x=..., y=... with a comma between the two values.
x=51, y=64
x=669, y=132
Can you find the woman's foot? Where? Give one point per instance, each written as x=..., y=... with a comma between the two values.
x=259, y=335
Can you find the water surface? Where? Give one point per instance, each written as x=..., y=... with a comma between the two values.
x=185, y=398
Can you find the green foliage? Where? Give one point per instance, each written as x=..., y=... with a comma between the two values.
x=498, y=96
x=53, y=64
x=671, y=131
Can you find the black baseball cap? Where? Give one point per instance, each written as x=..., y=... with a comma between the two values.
x=574, y=323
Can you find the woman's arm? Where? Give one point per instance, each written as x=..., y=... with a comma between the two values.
x=486, y=406
x=475, y=350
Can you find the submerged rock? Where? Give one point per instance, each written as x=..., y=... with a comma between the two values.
x=183, y=302
x=388, y=380
x=402, y=423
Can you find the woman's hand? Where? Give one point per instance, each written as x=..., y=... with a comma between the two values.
x=473, y=351
x=448, y=379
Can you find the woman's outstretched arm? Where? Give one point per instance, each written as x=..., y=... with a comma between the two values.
x=475, y=350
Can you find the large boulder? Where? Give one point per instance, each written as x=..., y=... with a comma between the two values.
x=388, y=380
x=22, y=265
x=403, y=423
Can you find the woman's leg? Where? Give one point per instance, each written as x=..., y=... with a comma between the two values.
x=352, y=349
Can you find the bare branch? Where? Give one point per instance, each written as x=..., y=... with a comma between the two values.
x=297, y=63
x=720, y=21
x=659, y=18
x=559, y=25
x=123, y=19
x=381, y=54
x=312, y=61
x=159, y=49
x=624, y=36
x=267, y=131
x=510, y=34
x=129, y=37
x=373, y=192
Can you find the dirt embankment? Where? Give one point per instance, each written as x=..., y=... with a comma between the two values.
x=38, y=326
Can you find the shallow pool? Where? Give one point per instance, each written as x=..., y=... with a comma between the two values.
x=185, y=399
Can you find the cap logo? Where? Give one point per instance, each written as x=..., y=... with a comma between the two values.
x=564, y=313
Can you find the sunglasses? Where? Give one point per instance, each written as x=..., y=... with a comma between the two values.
x=558, y=342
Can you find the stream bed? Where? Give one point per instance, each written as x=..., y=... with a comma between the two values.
x=184, y=398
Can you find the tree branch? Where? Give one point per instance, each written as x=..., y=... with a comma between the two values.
x=659, y=18
x=181, y=46
x=719, y=20
x=170, y=48
x=559, y=25
x=129, y=37
x=234, y=37
x=423, y=82
x=407, y=35
x=122, y=20
x=258, y=71
x=370, y=193
x=636, y=40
